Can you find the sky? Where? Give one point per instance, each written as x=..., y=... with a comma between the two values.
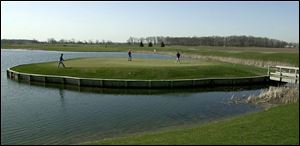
x=117, y=21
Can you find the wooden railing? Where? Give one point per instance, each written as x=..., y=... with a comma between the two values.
x=284, y=74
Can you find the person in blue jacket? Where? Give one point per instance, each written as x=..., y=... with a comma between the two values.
x=61, y=61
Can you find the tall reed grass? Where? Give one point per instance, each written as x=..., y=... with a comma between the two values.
x=257, y=63
x=271, y=96
x=276, y=95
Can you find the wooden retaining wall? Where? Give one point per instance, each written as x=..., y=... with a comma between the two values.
x=126, y=83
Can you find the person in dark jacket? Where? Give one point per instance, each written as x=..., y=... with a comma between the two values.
x=61, y=61
x=129, y=55
x=178, y=57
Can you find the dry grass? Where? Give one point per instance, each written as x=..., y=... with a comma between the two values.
x=257, y=63
x=270, y=97
x=276, y=95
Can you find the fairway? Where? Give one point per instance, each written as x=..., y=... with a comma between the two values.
x=282, y=55
x=147, y=69
x=122, y=62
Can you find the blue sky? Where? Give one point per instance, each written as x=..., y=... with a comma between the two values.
x=117, y=21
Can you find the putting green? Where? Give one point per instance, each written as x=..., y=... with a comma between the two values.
x=123, y=62
x=148, y=69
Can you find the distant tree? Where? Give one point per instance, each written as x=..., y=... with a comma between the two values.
x=162, y=44
x=62, y=41
x=150, y=44
x=109, y=42
x=130, y=40
x=52, y=41
x=19, y=41
x=148, y=39
x=141, y=44
x=79, y=42
x=35, y=41
x=72, y=41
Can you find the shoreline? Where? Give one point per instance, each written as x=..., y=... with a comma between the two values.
x=209, y=132
x=129, y=83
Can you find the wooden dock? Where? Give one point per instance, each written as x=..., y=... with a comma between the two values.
x=284, y=74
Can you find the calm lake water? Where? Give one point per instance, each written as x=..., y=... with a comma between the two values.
x=32, y=114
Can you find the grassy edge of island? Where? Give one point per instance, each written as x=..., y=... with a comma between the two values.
x=142, y=69
x=277, y=125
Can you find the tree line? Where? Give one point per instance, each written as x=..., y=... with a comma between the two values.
x=235, y=41
x=225, y=41
x=73, y=41
x=19, y=41
x=54, y=41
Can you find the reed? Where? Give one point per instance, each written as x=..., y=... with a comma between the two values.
x=276, y=95
x=257, y=63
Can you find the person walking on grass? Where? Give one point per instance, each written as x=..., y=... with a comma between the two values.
x=129, y=55
x=178, y=57
x=61, y=61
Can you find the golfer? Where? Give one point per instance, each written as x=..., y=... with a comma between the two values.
x=129, y=55
x=61, y=61
x=178, y=57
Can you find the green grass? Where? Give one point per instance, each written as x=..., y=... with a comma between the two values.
x=278, y=125
x=285, y=55
x=148, y=69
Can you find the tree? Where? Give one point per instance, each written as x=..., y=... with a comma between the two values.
x=225, y=41
x=72, y=41
x=62, y=41
x=130, y=40
x=162, y=44
x=150, y=44
x=141, y=44
x=51, y=41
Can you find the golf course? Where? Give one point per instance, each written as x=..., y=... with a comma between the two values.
x=259, y=125
x=143, y=69
x=150, y=73
x=265, y=127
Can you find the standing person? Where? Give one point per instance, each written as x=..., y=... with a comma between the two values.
x=129, y=55
x=61, y=59
x=178, y=57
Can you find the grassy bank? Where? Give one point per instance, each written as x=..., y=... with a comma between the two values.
x=148, y=69
x=284, y=55
x=278, y=125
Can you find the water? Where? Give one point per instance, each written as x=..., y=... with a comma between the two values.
x=32, y=114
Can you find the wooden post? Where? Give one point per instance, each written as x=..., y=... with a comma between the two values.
x=101, y=83
x=125, y=83
x=280, y=78
x=78, y=83
x=295, y=76
x=149, y=85
x=268, y=70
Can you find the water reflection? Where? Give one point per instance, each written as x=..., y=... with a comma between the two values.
x=143, y=91
x=62, y=99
